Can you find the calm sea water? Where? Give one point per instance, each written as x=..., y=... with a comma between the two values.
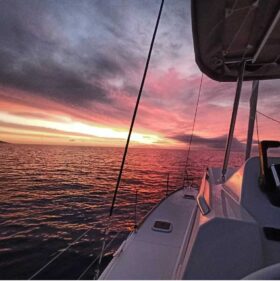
x=50, y=195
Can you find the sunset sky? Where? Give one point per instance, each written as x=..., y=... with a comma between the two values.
x=70, y=73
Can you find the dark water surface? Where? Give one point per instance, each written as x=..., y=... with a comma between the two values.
x=50, y=195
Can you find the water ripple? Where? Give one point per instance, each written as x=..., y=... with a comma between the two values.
x=52, y=194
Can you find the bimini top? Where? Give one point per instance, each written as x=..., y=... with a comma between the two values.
x=226, y=32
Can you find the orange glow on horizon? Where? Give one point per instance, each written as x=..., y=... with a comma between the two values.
x=29, y=118
x=66, y=129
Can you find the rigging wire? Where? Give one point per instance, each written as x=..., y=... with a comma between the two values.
x=96, y=258
x=135, y=209
x=193, y=125
x=59, y=254
x=136, y=109
x=130, y=132
x=257, y=124
x=257, y=128
x=271, y=118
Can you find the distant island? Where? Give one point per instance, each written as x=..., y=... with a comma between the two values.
x=4, y=142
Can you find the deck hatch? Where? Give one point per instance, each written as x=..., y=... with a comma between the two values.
x=162, y=226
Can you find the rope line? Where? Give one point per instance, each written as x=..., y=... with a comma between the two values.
x=193, y=126
x=59, y=254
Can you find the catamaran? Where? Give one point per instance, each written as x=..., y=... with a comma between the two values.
x=230, y=228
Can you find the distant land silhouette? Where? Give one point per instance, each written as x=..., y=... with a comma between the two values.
x=3, y=142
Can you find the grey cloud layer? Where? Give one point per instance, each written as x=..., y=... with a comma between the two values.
x=216, y=143
x=43, y=52
x=67, y=49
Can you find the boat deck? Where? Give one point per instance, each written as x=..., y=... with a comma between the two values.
x=160, y=249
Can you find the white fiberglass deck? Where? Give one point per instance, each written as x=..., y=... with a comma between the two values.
x=236, y=235
x=150, y=254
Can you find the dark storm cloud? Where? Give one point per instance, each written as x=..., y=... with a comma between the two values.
x=48, y=79
x=101, y=67
x=39, y=55
x=67, y=50
x=215, y=143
